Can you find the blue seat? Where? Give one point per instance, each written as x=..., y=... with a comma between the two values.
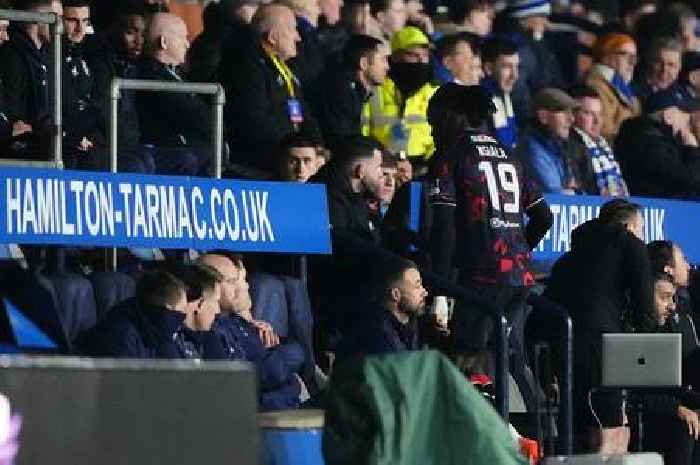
x=270, y=301
x=301, y=320
x=284, y=302
x=34, y=295
x=111, y=288
x=75, y=302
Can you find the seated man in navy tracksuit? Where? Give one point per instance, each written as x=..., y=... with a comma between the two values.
x=166, y=319
x=246, y=339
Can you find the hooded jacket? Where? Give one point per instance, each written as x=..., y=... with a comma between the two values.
x=335, y=280
x=607, y=265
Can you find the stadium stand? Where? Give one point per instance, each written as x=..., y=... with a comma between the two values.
x=583, y=107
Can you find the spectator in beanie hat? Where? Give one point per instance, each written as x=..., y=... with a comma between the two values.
x=616, y=57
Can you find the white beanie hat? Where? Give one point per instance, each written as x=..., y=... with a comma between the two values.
x=525, y=8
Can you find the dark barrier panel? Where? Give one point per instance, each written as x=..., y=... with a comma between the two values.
x=109, y=412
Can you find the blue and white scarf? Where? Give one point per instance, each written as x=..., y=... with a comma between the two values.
x=606, y=168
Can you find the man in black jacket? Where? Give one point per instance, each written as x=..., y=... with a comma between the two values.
x=25, y=73
x=264, y=98
x=115, y=54
x=178, y=125
x=658, y=152
x=672, y=427
x=85, y=141
x=607, y=267
x=391, y=324
x=9, y=129
x=365, y=66
x=667, y=257
x=354, y=171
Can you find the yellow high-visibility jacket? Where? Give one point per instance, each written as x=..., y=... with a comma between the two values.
x=400, y=126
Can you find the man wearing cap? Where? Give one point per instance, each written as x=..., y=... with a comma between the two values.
x=616, y=57
x=539, y=65
x=397, y=110
x=479, y=195
x=659, y=152
x=554, y=162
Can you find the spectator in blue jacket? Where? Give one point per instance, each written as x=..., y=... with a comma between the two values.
x=554, y=162
x=501, y=62
x=391, y=325
x=246, y=339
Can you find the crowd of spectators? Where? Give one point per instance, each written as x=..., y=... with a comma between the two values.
x=576, y=95
x=485, y=105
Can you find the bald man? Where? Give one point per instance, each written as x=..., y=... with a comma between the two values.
x=277, y=363
x=264, y=98
x=178, y=125
x=236, y=300
x=235, y=296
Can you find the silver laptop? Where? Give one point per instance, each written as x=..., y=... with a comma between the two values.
x=644, y=458
x=642, y=360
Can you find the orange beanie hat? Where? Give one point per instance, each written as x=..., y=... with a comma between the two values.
x=609, y=43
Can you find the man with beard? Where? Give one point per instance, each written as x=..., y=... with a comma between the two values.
x=345, y=92
x=391, y=324
x=354, y=172
x=397, y=110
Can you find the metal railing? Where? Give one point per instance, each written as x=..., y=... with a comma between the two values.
x=217, y=142
x=564, y=336
x=56, y=28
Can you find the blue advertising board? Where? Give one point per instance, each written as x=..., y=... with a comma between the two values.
x=124, y=210
x=674, y=220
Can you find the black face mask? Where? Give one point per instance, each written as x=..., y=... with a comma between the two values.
x=156, y=8
x=409, y=77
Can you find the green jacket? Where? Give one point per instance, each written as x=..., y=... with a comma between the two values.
x=412, y=408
